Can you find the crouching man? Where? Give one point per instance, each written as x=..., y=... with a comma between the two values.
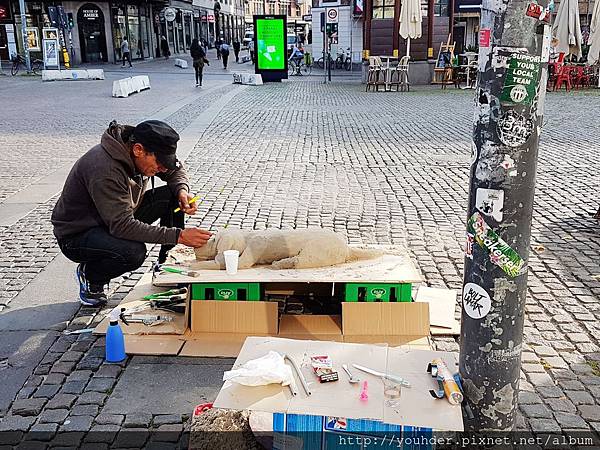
x=104, y=216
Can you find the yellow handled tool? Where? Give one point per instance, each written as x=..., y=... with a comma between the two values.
x=193, y=200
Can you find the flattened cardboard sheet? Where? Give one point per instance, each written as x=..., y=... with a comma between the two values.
x=385, y=318
x=240, y=317
x=225, y=345
x=153, y=345
x=430, y=412
x=385, y=269
x=133, y=299
x=442, y=305
x=340, y=398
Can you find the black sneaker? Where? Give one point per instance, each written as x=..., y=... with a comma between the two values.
x=90, y=294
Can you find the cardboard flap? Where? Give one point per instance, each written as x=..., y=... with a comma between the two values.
x=388, y=319
x=153, y=345
x=240, y=317
x=310, y=325
x=224, y=345
x=442, y=304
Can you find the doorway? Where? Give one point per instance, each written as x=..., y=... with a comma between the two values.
x=92, y=37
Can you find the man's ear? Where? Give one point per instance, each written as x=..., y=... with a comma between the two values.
x=138, y=149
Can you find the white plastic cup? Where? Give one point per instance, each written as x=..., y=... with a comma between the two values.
x=231, y=261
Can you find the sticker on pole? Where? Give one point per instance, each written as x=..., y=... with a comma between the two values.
x=476, y=301
x=485, y=35
x=522, y=79
x=514, y=129
x=501, y=254
x=490, y=202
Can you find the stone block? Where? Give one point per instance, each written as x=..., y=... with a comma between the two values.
x=61, y=401
x=570, y=421
x=53, y=416
x=78, y=423
x=28, y=407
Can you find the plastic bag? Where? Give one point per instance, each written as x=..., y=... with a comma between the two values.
x=270, y=369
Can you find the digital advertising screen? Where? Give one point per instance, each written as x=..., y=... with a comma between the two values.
x=271, y=50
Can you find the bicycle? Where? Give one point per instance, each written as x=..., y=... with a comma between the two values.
x=295, y=68
x=36, y=65
x=319, y=63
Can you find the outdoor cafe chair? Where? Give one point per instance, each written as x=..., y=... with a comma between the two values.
x=377, y=75
x=398, y=75
x=563, y=76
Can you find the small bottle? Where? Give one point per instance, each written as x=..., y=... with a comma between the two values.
x=115, y=343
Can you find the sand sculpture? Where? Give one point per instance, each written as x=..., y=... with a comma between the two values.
x=283, y=249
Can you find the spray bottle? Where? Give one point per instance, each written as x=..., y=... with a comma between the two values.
x=115, y=343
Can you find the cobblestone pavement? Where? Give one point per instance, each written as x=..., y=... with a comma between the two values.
x=378, y=168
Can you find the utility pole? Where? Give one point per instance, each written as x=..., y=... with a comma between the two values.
x=514, y=45
x=24, y=35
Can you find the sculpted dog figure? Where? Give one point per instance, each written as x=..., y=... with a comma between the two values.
x=283, y=249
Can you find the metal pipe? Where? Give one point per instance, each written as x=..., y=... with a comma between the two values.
x=300, y=374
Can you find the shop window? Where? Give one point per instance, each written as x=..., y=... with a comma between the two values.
x=383, y=9
x=119, y=29
x=440, y=8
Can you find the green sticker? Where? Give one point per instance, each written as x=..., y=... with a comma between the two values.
x=225, y=293
x=501, y=254
x=522, y=79
x=378, y=293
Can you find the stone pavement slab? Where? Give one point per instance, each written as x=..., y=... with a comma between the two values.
x=21, y=352
x=167, y=388
x=48, y=302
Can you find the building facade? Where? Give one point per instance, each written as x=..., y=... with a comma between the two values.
x=93, y=31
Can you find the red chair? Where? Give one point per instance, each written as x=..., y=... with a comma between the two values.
x=585, y=77
x=563, y=76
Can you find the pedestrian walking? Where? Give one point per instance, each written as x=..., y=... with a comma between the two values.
x=251, y=50
x=198, y=55
x=218, y=47
x=164, y=47
x=224, y=54
x=126, y=55
x=236, y=50
x=103, y=218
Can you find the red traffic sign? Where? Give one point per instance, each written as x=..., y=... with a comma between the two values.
x=332, y=15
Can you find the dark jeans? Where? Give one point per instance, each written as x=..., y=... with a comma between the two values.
x=107, y=257
x=127, y=56
x=237, y=55
x=225, y=56
x=199, y=68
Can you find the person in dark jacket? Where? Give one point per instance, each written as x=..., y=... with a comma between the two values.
x=198, y=55
x=104, y=216
x=164, y=47
x=236, y=50
x=224, y=53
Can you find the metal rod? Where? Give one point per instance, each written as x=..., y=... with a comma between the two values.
x=24, y=35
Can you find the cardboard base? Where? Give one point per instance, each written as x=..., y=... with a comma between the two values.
x=341, y=399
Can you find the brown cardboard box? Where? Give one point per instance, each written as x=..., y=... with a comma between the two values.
x=242, y=317
x=392, y=323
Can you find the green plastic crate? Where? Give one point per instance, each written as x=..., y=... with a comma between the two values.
x=226, y=291
x=378, y=292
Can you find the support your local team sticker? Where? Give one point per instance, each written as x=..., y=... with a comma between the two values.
x=501, y=254
x=522, y=79
x=476, y=301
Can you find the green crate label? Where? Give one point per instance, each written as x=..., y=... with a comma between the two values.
x=225, y=293
x=501, y=254
x=522, y=79
x=378, y=292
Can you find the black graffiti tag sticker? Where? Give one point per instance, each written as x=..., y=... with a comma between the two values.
x=514, y=129
x=476, y=301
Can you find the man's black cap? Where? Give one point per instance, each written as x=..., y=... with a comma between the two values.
x=159, y=138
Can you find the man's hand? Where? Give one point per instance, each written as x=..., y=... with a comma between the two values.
x=194, y=237
x=184, y=202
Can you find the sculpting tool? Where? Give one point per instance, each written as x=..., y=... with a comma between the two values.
x=300, y=374
x=399, y=380
x=351, y=378
x=193, y=200
x=186, y=273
